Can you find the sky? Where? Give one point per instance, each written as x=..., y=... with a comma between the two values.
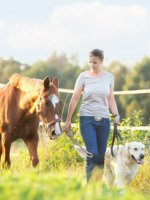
x=32, y=30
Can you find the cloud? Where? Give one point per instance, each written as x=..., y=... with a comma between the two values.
x=120, y=30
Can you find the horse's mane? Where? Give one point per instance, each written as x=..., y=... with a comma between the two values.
x=25, y=84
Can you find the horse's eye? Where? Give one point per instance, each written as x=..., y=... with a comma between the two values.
x=135, y=149
x=47, y=103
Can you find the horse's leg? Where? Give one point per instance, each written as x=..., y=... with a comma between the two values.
x=32, y=144
x=5, y=146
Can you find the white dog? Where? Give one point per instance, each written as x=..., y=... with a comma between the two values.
x=122, y=168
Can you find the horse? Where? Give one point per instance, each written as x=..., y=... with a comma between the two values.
x=24, y=102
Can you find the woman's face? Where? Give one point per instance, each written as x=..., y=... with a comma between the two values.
x=95, y=62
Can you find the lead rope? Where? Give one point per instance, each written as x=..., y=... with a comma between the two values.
x=117, y=136
x=65, y=103
x=70, y=135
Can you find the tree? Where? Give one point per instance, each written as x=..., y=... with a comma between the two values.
x=119, y=71
x=138, y=78
x=7, y=68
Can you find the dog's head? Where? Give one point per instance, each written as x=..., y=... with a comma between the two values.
x=136, y=151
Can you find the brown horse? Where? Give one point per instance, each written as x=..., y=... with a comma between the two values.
x=23, y=103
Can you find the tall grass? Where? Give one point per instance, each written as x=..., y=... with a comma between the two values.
x=30, y=186
x=60, y=173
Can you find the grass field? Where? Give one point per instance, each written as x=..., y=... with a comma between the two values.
x=60, y=175
x=56, y=187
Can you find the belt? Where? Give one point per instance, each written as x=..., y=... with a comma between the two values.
x=98, y=118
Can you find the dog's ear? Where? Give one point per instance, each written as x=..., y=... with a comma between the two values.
x=126, y=150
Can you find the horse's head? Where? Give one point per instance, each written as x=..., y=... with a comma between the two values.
x=49, y=107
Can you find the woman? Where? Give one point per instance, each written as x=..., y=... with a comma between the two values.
x=97, y=86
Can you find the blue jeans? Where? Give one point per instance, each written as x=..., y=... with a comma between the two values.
x=95, y=134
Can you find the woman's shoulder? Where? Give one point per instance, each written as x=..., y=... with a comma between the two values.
x=83, y=74
x=108, y=74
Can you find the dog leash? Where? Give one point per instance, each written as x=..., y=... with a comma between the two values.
x=117, y=136
x=70, y=134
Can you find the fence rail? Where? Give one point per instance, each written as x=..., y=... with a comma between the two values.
x=142, y=91
x=131, y=128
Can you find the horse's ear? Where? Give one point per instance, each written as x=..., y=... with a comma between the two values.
x=55, y=82
x=46, y=82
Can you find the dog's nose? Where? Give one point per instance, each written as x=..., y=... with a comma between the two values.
x=141, y=156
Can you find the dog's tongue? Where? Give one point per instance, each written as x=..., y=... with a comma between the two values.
x=141, y=162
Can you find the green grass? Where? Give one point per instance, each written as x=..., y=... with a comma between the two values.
x=60, y=175
x=39, y=186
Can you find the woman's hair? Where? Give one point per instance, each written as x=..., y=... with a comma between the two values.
x=97, y=53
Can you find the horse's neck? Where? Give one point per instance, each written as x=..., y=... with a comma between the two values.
x=30, y=85
x=28, y=101
x=30, y=89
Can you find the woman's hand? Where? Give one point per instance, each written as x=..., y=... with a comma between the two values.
x=67, y=126
x=117, y=119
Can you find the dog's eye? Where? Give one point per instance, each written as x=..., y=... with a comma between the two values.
x=135, y=149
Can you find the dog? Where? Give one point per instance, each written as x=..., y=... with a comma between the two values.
x=120, y=169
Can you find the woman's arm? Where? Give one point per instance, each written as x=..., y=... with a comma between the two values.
x=72, y=105
x=113, y=106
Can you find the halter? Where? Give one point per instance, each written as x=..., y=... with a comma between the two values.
x=41, y=115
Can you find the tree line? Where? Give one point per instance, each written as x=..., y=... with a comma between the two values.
x=67, y=70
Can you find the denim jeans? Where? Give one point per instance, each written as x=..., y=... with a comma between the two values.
x=95, y=134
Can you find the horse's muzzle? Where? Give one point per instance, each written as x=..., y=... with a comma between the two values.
x=55, y=132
